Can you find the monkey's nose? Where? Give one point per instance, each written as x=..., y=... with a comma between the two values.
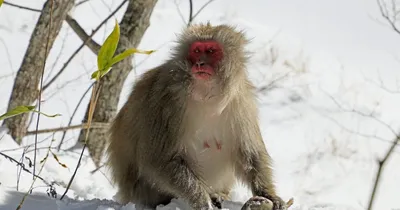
x=200, y=63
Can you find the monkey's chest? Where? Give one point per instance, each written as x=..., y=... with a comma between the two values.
x=211, y=147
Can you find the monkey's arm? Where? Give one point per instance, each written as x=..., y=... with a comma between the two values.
x=259, y=174
x=255, y=161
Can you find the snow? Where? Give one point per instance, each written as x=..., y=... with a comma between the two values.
x=317, y=51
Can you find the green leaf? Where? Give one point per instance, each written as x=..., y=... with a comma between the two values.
x=127, y=53
x=95, y=74
x=1, y=2
x=100, y=73
x=107, y=50
x=21, y=110
x=105, y=57
x=16, y=111
x=47, y=115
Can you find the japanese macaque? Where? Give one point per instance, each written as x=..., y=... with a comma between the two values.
x=190, y=127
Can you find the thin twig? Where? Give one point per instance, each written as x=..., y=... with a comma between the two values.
x=41, y=168
x=204, y=6
x=98, y=168
x=8, y=58
x=81, y=2
x=190, y=12
x=80, y=126
x=366, y=115
x=22, y=165
x=41, y=86
x=19, y=169
x=92, y=105
x=390, y=151
x=73, y=114
x=179, y=12
x=271, y=84
x=22, y=7
x=381, y=164
x=57, y=59
x=385, y=15
x=82, y=45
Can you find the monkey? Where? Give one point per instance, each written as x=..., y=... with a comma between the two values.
x=190, y=126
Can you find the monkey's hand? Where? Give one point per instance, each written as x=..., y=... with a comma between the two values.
x=201, y=201
x=278, y=203
x=218, y=198
x=258, y=203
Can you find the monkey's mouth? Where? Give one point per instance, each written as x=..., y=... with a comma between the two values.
x=202, y=72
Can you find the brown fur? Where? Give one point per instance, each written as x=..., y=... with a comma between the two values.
x=156, y=149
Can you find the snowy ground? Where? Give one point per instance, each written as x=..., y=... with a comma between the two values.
x=329, y=51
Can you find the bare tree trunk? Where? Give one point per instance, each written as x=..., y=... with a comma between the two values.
x=132, y=27
x=26, y=84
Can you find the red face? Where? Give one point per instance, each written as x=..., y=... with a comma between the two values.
x=204, y=57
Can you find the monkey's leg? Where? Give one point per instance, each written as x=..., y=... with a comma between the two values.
x=260, y=179
x=140, y=191
x=178, y=178
x=149, y=195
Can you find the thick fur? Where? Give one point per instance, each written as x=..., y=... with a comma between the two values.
x=157, y=143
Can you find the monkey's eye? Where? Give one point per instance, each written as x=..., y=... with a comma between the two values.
x=210, y=50
x=196, y=50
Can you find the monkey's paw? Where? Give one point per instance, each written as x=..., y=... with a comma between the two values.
x=279, y=204
x=218, y=198
x=258, y=203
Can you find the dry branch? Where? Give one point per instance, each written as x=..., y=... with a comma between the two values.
x=71, y=127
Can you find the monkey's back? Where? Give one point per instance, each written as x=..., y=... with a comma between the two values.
x=145, y=126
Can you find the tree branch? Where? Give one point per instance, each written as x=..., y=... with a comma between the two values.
x=381, y=164
x=190, y=12
x=385, y=15
x=93, y=125
x=93, y=46
x=82, y=45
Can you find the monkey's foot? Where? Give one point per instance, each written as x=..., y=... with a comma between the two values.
x=258, y=203
x=218, y=198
